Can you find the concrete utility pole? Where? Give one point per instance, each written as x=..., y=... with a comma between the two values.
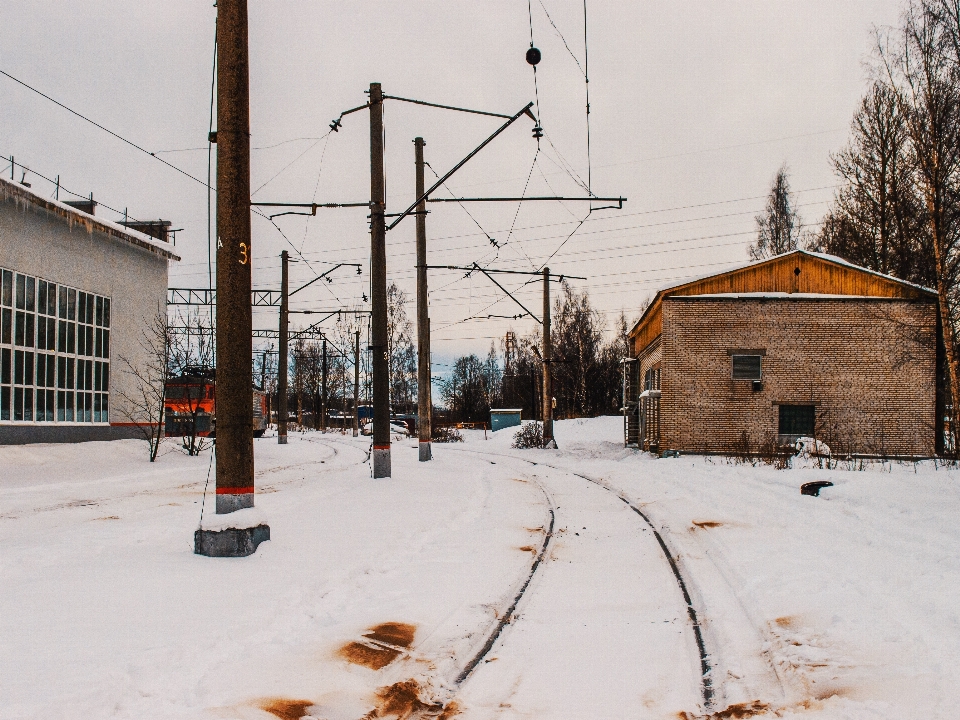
x=356, y=385
x=424, y=400
x=323, y=388
x=284, y=341
x=378, y=290
x=548, y=441
x=234, y=317
x=234, y=444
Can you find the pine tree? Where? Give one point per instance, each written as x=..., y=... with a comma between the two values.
x=778, y=228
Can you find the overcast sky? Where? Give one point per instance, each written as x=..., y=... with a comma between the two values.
x=694, y=108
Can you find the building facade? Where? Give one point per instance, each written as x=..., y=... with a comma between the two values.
x=799, y=345
x=76, y=294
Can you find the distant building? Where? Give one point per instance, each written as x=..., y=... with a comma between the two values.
x=802, y=344
x=76, y=293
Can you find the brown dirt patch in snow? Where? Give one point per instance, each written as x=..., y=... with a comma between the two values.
x=286, y=709
x=374, y=658
x=731, y=712
x=707, y=524
x=528, y=548
x=786, y=621
x=393, y=633
x=402, y=700
x=377, y=653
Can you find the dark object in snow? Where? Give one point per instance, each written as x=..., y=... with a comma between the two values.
x=671, y=454
x=814, y=488
x=232, y=542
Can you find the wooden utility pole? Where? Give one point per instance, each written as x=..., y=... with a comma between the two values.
x=323, y=388
x=284, y=342
x=378, y=290
x=356, y=385
x=424, y=400
x=548, y=440
x=234, y=318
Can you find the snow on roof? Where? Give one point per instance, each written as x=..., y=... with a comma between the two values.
x=783, y=295
x=840, y=261
x=19, y=193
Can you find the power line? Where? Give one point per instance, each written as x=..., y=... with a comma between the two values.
x=111, y=132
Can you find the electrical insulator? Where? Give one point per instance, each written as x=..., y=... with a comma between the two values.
x=533, y=56
x=537, y=132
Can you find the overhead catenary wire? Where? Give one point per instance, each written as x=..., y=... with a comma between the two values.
x=285, y=167
x=639, y=244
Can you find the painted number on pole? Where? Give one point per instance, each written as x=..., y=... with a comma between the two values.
x=243, y=254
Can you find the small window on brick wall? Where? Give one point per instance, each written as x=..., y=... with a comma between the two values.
x=746, y=367
x=797, y=419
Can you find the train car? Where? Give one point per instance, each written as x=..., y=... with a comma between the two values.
x=261, y=412
x=190, y=399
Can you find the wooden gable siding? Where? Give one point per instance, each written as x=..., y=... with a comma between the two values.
x=817, y=275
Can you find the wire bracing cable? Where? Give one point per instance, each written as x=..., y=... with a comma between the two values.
x=213, y=87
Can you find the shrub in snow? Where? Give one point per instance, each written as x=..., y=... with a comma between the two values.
x=529, y=436
x=810, y=447
x=446, y=434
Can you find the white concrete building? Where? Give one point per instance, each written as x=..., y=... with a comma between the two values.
x=76, y=293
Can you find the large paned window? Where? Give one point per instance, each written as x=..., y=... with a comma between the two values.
x=54, y=352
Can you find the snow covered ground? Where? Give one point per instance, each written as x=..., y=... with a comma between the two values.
x=373, y=595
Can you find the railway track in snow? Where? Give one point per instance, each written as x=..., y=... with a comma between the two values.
x=706, y=685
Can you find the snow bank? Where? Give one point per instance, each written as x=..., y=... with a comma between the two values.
x=239, y=520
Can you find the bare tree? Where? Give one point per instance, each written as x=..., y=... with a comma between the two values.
x=142, y=398
x=878, y=219
x=401, y=355
x=191, y=363
x=924, y=64
x=778, y=228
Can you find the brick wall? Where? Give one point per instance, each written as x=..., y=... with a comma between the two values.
x=867, y=364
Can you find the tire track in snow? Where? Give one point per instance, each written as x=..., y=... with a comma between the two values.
x=706, y=683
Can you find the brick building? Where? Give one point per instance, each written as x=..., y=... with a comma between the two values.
x=802, y=344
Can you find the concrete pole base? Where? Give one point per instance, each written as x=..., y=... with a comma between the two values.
x=426, y=451
x=281, y=439
x=381, y=462
x=232, y=542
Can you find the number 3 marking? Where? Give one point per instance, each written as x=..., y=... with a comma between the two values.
x=243, y=252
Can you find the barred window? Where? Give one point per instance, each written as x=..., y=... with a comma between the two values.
x=797, y=419
x=54, y=352
x=746, y=367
